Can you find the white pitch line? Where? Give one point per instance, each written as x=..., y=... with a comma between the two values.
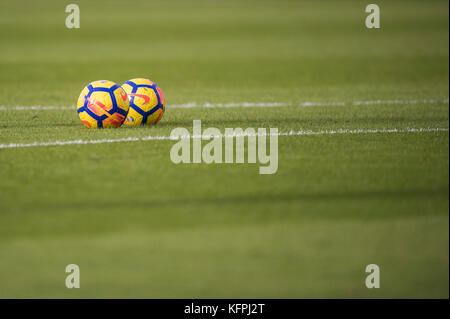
x=247, y=104
x=36, y=108
x=290, y=133
x=306, y=104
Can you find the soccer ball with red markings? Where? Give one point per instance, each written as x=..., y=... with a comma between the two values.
x=102, y=104
x=147, y=102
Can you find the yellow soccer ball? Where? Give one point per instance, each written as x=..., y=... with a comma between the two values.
x=147, y=102
x=102, y=104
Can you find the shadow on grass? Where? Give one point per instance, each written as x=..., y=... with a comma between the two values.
x=149, y=204
x=43, y=125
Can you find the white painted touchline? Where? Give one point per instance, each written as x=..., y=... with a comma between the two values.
x=36, y=108
x=247, y=104
x=290, y=133
x=306, y=104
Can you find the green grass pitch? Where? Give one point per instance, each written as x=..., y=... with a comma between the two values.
x=140, y=226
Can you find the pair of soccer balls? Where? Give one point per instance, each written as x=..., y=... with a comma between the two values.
x=107, y=104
